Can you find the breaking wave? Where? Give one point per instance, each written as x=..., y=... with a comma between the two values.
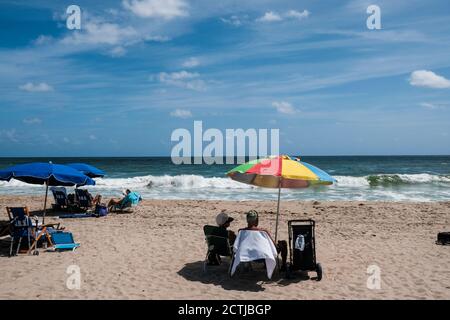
x=201, y=182
x=387, y=180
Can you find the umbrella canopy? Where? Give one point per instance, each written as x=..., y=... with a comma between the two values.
x=280, y=172
x=46, y=173
x=87, y=169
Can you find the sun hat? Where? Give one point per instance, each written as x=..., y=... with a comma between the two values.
x=222, y=218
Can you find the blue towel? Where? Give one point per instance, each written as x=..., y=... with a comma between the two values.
x=132, y=198
x=63, y=241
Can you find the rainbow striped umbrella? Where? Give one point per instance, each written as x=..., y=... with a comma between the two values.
x=280, y=172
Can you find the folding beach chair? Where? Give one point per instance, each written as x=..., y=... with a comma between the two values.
x=61, y=199
x=128, y=206
x=217, y=243
x=83, y=199
x=63, y=241
x=24, y=226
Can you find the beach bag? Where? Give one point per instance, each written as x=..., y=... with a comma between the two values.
x=443, y=238
x=101, y=210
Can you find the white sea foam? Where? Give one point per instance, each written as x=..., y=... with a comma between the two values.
x=413, y=187
x=348, y=181
x=166, y=181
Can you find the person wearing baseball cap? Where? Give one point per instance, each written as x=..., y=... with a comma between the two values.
x=252, y=224
x=223, y=221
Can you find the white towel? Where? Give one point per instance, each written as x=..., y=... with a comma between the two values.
x=251, y=245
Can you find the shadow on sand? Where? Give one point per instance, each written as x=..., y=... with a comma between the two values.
x=242, y=281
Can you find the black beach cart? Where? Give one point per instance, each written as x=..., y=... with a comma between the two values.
x=302, y=248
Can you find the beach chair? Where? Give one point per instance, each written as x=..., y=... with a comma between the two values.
x=61, y=199
x=22, y=226
x=128, y=206
x=5, y=229
x=63, y=241
x=83, y=199
x=217, y=242
x=254, y=246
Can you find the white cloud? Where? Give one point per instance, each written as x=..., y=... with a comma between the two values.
x=180, y=113
x=117, y=52
x=433, y=106
x=42, y=40
x=92, y=137
x=428, y=105
x=10, y=135
x=166, y=9
x=297, y=14
x=191, y=63
x=32, y=121
x=66, y=140
x=428, y=79
x=183, y=79
x=270, y=16
x=235, y=20
x=157, y=38
x=38, y=87
x=95, y=32
x=284, y=107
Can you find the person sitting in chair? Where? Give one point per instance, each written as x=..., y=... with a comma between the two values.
x=94, y=200
x=223, y=223
x=252, y=224
x=130, y=198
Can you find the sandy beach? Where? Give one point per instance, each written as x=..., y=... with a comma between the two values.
x=157, y=253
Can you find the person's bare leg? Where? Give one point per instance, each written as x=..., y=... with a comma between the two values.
x=283, y=249
x=231, y=237
x=113, y=202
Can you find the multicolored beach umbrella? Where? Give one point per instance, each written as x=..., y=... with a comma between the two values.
x=280, y=172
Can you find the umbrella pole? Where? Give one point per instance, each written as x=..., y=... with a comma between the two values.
x=45, y=201
x=278, y=211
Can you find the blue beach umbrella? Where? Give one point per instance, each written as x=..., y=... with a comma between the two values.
x=87, y=169
x=46, y=173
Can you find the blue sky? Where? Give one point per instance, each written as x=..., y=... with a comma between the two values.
x=138, y=69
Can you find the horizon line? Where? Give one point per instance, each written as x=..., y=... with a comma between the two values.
x=164, y=156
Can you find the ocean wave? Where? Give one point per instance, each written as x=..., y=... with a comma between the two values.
x=167, y=181
x=387, y=180
x=399, y=179
x=187, y=182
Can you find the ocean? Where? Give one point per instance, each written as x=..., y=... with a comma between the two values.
x=385, y=178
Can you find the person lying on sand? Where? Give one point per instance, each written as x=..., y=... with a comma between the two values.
x=252, y=224
x=223, y=222
x=129, y=198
